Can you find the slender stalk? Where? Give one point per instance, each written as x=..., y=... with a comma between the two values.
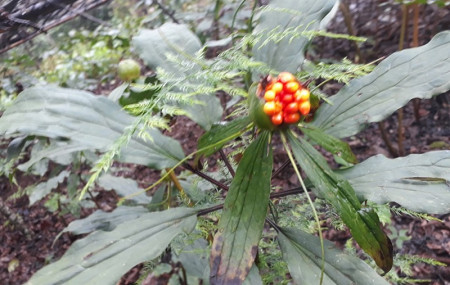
x=227, y=162
x=165, y=11
x=177, y=184
x=400, y=134
x=386, y=139
x=206, y=177
x=283, y=166
x=316, y=216
x=343, y=6
x=415, y=43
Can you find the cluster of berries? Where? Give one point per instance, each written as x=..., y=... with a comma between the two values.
x=286, y=100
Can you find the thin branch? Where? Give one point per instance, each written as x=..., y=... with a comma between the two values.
x=283, y=166
x=165, y=11
x=206, y=177
x=227, y=162
x=281, y=194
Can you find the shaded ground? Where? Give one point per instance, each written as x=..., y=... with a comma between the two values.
x=431, y=131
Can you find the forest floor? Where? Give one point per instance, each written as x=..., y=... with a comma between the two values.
x=21, y=256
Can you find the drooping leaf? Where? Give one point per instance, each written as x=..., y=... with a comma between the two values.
x=103, y=257
x=221, y=132
x=153, y=46
x=44, y=188
x=303, y=255
x=419, y=182
x=123, y=187
x=105, y=221
x=330, y=143
x=88, y=122
x=240, y=227
x=362, y=222
x=287, y=15
x=420, y=72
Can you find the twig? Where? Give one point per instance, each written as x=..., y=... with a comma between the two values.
x=283, y=166
x=281, y=194
x=227, y=162
x=206, y=177
x=386, y=139
x=165, y=11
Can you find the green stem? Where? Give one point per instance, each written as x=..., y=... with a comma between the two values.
x=316, y=216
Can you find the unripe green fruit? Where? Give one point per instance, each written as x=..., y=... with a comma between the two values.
x=256, y=110
x=128, y=70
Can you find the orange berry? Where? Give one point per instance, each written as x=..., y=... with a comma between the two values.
x=277, y=119
x=291, y=108
x=285, y=77
x=269, y=95
x=304, y=108
x=304, y=95
x=287, y=98
x=269, y=108
x=291, y=87
x=291, y=118
x=278, y=107
x=277, y=87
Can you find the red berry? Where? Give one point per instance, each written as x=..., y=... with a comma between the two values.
x=270, y=108
x=285, y=77
x=304, y=108
x=277, y=119
x=291, y=108
x=291, y=87
x=277, y=87
x=287, y=98
x=291, y=118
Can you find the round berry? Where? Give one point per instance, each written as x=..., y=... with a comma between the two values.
x=269, y=95
x=277, y=119
x=128, y=70
x=303, y=95
x=291, y=118
x=287, y=98
x=291, y=87
x=277, y=87
x=291, y=108
x=285, y=77
x=270, y=108
x=304, y=108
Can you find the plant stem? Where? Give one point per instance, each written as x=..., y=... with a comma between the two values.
x=206, y=177
x=165, y=11
x=227, y=162
x=386, y=139
x=343, y=6
x=177, y=184
x=415, y=43
x=316, y=216
x=283, y=166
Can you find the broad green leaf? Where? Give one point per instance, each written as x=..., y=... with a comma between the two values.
x=153, y=46
x=123, y=187
x=362, y=222
x=419, y=182
x=205, y=114
x=240, y=227
x=103, y=257
x=330, y=143
x=88, y=122
x=44, y=188
x=221, y=133
x=105, y=221
x=302, y=252
x=420, y=72
x=286, y=15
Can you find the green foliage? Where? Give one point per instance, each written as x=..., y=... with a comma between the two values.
x=74, y=126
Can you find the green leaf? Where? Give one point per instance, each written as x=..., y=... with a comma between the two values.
x=362, y=222
x=123, y=187
x=330, y=143
x=105, y=221
x=103, y=257
x=44, y=188
x=419, y=182
x=205, y=114
x=302, y=253
x=307, y=15
x=221, y=133
x=153, y=46
x=88, y=122
x=236, y=243
x=420, y=72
